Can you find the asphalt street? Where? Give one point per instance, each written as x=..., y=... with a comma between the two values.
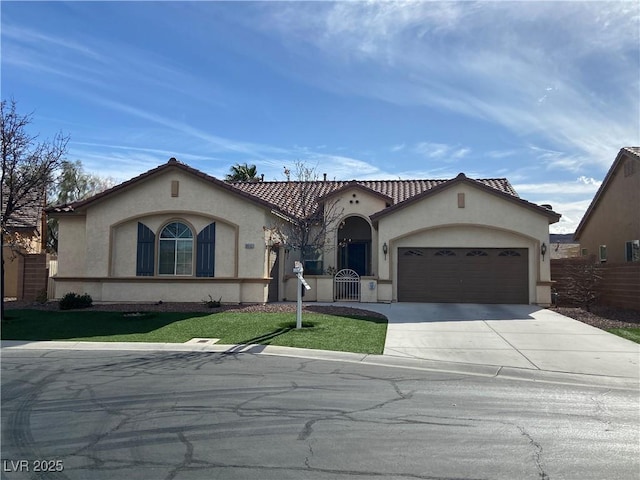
x=83, y=414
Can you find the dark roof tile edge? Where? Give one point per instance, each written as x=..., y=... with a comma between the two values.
x=172, y=163
x=633, y=151
x=478, y=183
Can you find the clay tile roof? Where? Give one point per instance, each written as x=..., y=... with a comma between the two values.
x=633, y=151
x=30, y=216
x=287, y=195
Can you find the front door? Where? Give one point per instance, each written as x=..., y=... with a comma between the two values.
x=274, y=295
x=355, y=256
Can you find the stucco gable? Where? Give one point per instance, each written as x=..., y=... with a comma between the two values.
x=625, y=153
x=462, y=178
x=354, y=185
x=80, y=206
x=284, y=197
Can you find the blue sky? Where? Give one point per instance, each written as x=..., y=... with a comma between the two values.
x=543, y=93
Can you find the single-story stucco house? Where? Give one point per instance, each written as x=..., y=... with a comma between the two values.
x=177, y=234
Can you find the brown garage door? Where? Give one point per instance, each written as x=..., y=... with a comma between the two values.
x=463, y=275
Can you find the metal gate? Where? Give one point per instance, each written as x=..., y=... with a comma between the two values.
x=347, y=286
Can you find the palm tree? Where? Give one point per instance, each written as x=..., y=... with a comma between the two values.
x=242, y=173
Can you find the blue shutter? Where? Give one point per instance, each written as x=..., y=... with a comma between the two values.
x=146, y=249
x=206, y=249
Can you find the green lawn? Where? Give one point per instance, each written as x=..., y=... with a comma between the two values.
x=630, y=333
x=320, y=331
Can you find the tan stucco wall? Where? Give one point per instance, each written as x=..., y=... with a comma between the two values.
x=355, y=202
x=616, y=218
x=97, y=251
x=124, y=244
x=154, y=290
x=13, y=272
x=72, y=246
x=102, y=244
x=486, y=221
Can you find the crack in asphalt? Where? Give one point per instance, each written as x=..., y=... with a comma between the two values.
x=537, y=453
x=601, y=410
x=188, y=457
x=135, y=418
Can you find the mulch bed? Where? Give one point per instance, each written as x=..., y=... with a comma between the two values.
x=603, y=317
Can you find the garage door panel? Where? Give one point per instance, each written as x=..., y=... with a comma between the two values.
x=467, y=275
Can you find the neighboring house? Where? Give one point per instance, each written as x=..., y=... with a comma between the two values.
x=22, y=250
x=610, y=228
x=177, y=234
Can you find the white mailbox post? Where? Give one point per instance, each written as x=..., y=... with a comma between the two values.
x=298, y=270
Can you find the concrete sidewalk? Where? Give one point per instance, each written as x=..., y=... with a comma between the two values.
x=521, y=342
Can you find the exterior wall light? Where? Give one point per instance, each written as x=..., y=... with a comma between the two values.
x=543, y=250
x=385, y=250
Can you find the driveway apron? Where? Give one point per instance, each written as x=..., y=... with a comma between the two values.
x=518, y=336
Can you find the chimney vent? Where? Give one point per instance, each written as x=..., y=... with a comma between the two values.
x=325, y=176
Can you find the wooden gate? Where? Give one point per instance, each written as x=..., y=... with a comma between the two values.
x=347, y=286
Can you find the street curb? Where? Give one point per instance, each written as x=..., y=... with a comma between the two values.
x=389, y=361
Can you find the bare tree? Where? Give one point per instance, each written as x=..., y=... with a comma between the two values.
x=313, y=220
x=27, y=169
x=583, y=282
x=73, y=183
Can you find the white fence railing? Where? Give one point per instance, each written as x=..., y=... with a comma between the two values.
x=347, y=286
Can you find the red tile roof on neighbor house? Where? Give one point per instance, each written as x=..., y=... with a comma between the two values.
x=286, y=197
x=29, y=216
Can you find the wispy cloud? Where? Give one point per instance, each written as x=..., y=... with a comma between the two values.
x=486, y=60
x=441, y=151
x=572, y=212
x=501, y=153
x=580, y=186
x=84, y=64
x=569, y=198
x=28, y=36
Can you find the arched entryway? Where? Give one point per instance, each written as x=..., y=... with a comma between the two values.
x=354, y=245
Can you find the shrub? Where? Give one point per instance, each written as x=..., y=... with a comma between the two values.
x=583, y=283
x=72, y=300
x=211, y=303
x=42, y=296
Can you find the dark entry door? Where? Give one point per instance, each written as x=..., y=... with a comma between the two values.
x=355, y=256
x=273, y=295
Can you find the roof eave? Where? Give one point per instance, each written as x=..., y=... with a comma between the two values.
x=462, y=178
x=79, y=207
x=605, y=184
x=358, y=186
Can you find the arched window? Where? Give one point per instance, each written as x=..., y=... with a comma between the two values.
x=175, y=250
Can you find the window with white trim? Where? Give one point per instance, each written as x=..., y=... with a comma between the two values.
x=602, y=250
x=632, y=251
x=175, y=248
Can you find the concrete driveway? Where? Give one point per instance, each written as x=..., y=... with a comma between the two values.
x=517, y=336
